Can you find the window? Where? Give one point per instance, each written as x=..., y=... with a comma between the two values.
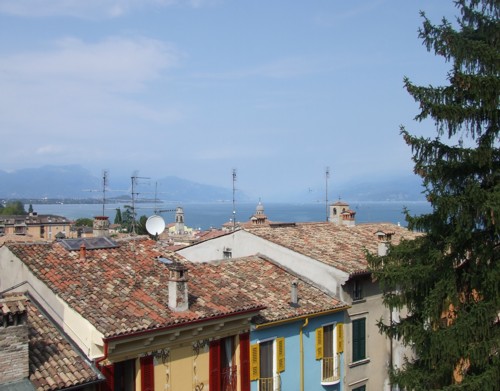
x=147, y=374
x=362, y=388
x=119, y=376
x=358, y=339
x=329, y=346
x=267, y=360
x=227, y=253
x=223, y=368
x=357, y=290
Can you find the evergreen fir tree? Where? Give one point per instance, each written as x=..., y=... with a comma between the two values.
x=449, y=278
x=118, y=216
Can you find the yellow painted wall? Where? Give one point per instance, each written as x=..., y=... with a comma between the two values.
x=187, y=371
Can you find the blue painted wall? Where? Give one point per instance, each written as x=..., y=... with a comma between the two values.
x=290, y=378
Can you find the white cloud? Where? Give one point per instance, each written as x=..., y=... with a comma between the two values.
x=87, y=9
x=69, y=99
x=116, y=62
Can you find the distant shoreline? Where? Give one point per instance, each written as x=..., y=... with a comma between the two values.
x=74, y=201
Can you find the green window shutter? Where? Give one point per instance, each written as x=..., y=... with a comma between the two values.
x=340, y=337
x=254, y=362
x=358, y=339
x=280, y=357
x=319, y=343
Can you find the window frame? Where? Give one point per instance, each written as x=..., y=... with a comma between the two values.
x=336, y=352
x=358, y=340
x=277, y=367
x=357, y=290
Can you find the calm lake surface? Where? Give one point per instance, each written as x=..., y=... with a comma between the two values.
x=206, y=215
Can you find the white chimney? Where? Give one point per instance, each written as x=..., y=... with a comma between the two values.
x=178, y=288
x=384, y=240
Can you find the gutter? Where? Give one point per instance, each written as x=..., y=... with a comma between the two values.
x=173, y=326
x=307, y=316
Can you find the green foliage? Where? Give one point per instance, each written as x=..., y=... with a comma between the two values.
x=13, y=208
x=141, y=226
x=118, y=216
x=84, y=222
x=449, y=279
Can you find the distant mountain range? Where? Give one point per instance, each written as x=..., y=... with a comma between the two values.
x=76, y=182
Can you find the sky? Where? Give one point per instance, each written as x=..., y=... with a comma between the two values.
x=278, y=90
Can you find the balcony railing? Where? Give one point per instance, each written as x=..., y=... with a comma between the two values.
x=229, y=376
x=270, y=383
x=331, y=369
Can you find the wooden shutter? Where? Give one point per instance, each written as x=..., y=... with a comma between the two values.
x=109, y=373
x=245, y=361
x=147, y=374
x=358, y=339
x=214, y=362
x=340, y=337
x=319, y=343
x=280, y=357
x=254, y=362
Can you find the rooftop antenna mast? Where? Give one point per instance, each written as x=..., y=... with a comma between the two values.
x=134, y=179
x=234, y=207
x=104, y=185
x=327, y=176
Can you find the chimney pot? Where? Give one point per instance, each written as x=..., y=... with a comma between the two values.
x=83, y=252
x=294, y=293
x=178, y=288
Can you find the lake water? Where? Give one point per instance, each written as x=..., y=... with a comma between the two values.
x=206, y=215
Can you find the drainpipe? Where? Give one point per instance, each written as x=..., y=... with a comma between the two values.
x=98, y=361
x=306, y=322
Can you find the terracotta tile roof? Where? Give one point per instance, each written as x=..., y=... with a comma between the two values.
x=270, y=285
x=53, y=362
x=342, y=247
x=125, y=289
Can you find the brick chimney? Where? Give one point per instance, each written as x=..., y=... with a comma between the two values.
x=14, y=354
x=178, y=288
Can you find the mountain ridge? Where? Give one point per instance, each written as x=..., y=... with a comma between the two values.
x=76, y=182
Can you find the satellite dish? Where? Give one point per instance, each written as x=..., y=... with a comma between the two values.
x=155, y=225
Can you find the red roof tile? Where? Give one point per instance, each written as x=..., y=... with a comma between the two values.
x=342, y=247
x=53, y=363
x=125, y=289
x=269, y=284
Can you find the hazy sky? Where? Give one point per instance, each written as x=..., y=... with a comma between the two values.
x=277, y=89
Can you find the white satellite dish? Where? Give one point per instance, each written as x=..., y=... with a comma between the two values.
x=155, y=225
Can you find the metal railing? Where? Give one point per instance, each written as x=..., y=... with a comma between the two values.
x=270, y=383
x=331, y=369
x=229, y=376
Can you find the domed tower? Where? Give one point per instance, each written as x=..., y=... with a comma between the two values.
x=259, y=217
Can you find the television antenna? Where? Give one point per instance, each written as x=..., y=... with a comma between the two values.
x=134, y=178
x=327, y=176
x=234, y=199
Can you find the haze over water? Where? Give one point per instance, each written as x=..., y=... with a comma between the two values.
x=206, y=215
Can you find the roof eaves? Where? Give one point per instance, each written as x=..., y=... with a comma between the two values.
x=135, y=333
x=303, y=316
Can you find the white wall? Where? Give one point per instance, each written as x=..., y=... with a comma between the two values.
x=86, y=336
x=243, y=243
